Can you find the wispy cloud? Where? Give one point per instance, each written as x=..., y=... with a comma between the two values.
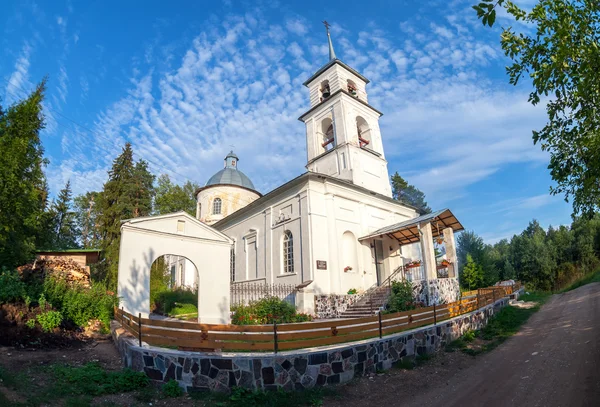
x=18, y=81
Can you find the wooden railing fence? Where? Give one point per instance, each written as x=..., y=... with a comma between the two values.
x=278, y=337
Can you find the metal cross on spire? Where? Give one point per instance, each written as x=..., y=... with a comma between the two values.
x=331, y=51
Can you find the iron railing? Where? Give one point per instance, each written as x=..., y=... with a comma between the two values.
x=243, y=293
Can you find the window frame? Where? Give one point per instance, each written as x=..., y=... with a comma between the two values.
x=219, y=202
x=287, y=251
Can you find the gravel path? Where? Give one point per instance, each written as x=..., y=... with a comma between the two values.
x=553, y=361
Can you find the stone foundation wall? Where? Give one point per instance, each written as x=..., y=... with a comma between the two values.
x=438, y=291
x=332, y=306
x=293, y=370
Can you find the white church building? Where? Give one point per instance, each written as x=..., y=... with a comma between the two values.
x=336, y=227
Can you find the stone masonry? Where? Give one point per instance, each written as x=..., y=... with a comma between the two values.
x=293, y=370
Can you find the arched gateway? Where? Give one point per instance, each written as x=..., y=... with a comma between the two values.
x=143, y=240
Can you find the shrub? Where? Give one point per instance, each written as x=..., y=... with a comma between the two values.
x=267, y=311
x=172, y=389
x=12, y=288
x=30, y=323
x=49, y=320
x=80, y=304
x=352, y=291
x=402, y=297
x=165, y=301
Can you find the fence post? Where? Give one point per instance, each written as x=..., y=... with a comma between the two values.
x=122, y=316
x=494, y=295
x=434, y=315
x=478, y=306
x=380, y=330
x=140, y=328
x=275, y=344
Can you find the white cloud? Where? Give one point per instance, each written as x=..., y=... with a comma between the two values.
x=18, y=82
x=296, y=26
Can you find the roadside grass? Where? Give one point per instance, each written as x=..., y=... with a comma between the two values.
x=68, y=385
x=592, y=277
x=240, y=397
x=499, y=328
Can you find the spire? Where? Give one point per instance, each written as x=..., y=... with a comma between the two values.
x=331, y=51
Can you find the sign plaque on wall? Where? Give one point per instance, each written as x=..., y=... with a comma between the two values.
x=321, y=265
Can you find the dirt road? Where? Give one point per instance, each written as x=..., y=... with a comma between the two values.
x=553, y=361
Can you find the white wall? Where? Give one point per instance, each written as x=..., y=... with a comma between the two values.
x=143, y=240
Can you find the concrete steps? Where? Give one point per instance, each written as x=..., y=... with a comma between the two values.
x=368, y=305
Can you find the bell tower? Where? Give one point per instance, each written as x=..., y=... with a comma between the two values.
x=343, y=139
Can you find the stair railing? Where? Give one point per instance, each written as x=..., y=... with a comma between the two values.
x=387, y=282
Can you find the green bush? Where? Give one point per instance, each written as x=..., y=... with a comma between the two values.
x=80, y=304
x=30, y=323
x=267, y=311
x=402, y=297
x=352, y=291
x=12, y=288
x=165, y=301
x=172, y=389
x=49, y=320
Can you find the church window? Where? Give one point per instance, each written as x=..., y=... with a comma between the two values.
x=364, y=133
x=352, y=88
x=325, y=90
x=217, y=206
x=328, y=136
x=288, y=252
x=232, y=263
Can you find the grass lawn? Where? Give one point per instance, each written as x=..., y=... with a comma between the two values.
x=502, y=326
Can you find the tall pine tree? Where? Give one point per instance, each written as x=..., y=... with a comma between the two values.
x=65, y=226
x=23, y=190
x=86, y=215
x=409, y=194
x=127, y=194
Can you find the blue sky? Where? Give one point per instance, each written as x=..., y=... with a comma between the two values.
x=183, y=81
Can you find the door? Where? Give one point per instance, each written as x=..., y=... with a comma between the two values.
x=379, y=269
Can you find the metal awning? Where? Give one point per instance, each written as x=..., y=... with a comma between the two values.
x=407, y=232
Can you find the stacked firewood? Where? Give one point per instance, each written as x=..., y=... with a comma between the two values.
x=66, y=269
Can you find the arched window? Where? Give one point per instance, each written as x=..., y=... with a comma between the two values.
x=324, y=90
x=349, y=252
x=364, y=133
x=288, y=252
x=217, y=206
x=328, y=136
x=352, y=88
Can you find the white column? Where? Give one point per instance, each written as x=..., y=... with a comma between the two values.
x=450, y=244
x=428, y=252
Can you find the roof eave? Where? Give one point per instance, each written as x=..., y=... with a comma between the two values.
x=330, y=64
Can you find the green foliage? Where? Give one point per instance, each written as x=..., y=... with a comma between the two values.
x=409, y=194
x=167, y=300
x=267, y=311
x=86, y=215
x=127, y=194
x=352, y=291
x=174, y=198
x=589, y=278
x=472, y=274
x=49, y=320
x=160, y=280
x=172, y=389
x=64, y=224
x=546, y=260
x=30, y=323
x=80, y=304
x=12, y=288
x=557, y=46
x=92, y=379
x=402, y=297
x=23, y=189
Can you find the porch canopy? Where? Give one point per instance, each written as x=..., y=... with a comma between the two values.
x=407, y=232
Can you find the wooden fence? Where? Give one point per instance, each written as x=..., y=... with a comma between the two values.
x=278, y=337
